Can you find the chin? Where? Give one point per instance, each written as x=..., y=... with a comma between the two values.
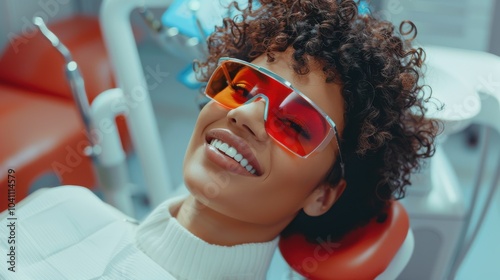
x=198, y=182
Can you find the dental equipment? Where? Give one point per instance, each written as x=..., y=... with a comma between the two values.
x=481, y=71
x=105, y=147
x=72, y=73
x=465, y=82
x=119, y=39
x=180, y=31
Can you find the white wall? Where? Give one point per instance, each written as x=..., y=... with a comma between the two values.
x=495, y=32
x=455, y=23
x=16, y=15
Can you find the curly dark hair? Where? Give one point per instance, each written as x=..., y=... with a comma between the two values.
x=385, y=134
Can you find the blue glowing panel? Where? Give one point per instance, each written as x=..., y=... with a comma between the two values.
x=363, y=8
x=182, y=14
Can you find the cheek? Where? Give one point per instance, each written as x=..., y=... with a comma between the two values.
x=281, y=195
x=211, y=113
x=294, y=180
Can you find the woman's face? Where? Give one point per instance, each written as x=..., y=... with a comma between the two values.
x=282, y=181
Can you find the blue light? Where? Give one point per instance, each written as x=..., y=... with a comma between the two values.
x=363, y=8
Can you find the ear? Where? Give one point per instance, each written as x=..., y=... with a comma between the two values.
x=323, y=197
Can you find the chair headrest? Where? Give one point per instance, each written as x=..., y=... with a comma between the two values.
x=364, y=253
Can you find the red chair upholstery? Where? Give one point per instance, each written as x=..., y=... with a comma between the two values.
x=32, y=62
x=44, y=134
x=42, y=131
x=363, y=254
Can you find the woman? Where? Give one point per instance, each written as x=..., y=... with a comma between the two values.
x=316, y=121
x=356, y=71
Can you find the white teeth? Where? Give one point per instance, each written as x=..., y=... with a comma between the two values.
x=238, y=157
x=224, y=147
x=233, y=153
x=216, y=143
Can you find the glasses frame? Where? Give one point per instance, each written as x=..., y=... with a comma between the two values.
x=333, y=127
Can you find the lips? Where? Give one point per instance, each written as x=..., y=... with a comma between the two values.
x=234, y=147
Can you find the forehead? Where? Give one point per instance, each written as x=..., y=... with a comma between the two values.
x=325, y=95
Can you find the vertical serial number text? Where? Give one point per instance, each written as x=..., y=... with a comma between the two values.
x=11, y=220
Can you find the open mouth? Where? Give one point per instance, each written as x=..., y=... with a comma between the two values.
x=233, y=153
x=236, y=148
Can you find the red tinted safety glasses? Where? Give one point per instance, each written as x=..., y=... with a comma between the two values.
x=291, y=118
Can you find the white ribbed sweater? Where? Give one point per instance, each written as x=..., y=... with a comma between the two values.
x=186, y=256
x=68, y=233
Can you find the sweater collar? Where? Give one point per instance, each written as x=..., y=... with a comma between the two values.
x=186, y=256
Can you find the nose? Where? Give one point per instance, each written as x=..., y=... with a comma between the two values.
x=250, y=119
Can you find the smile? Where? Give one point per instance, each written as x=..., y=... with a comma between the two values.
x=232, y=153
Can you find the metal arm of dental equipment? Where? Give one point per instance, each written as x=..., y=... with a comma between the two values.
x=170, y=39
x=105, y=147
x=72, y=73
x=121, y=45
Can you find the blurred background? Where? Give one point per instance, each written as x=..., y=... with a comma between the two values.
x=166, y=54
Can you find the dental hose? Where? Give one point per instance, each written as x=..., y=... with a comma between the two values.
x=467, y=241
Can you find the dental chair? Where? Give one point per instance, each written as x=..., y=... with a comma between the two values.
x=43, y=135
x=378, y=250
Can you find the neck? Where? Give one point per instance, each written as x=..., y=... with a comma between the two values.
x=216, y=228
